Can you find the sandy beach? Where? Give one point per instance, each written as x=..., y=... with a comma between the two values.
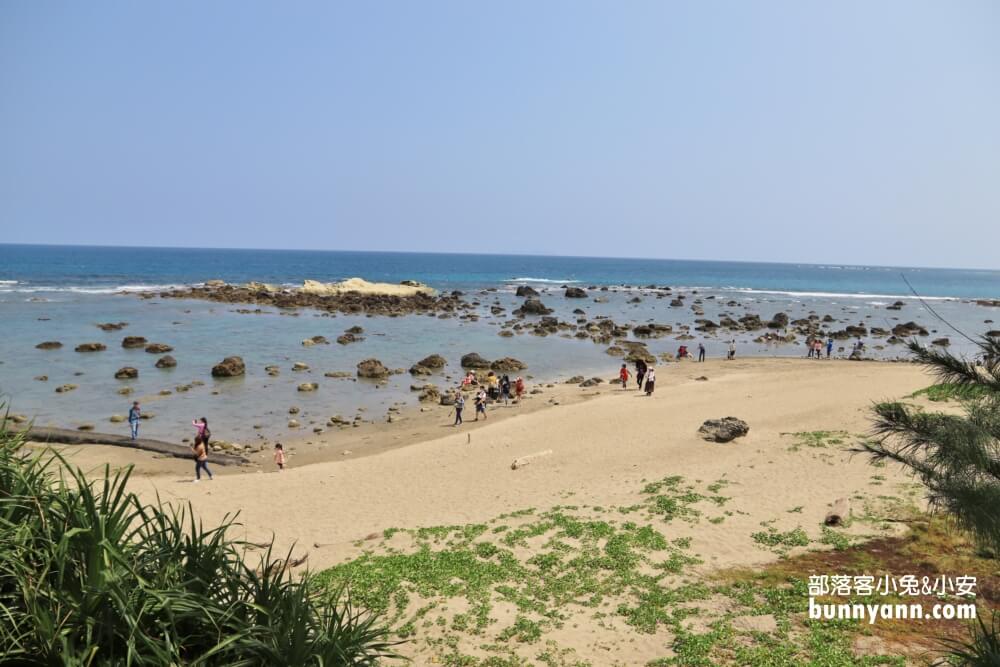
x=592, y=447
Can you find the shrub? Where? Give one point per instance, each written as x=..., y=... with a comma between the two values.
x=91, y=575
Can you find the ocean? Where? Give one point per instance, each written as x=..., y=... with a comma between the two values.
x=62, y=292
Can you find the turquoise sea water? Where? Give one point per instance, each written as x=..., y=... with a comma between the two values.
x=61, y=293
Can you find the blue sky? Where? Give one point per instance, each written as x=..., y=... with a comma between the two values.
x=862, y=132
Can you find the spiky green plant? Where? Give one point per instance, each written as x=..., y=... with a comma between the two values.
x=957, y=456
x=92, y=575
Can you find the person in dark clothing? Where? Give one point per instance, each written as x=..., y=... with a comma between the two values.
x=701, y=352
x=640, y=372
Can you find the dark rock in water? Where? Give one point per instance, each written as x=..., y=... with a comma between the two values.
x=354, y=330
x=308, y=386
x=994, y=333
x=129, y=342
x=42, y=378
x=525, y=290
x=428, y=365
x=723, y=430
x=474, y=361
x=127, y=373
x=507, y=365
x=49, y=345
x=229, y=367
x=533, y=307
x=316, y=340
x=909, y=329
x=347, y=338
x=372, y=369
x=62, y=389
x=676, y=303
x=575, y=293
x=158, y=348
x=779, y=321
x=430, y=394
x=166, y=362
x=433, y=361
x=941, y=342
x=91, y=347
x=112, y=326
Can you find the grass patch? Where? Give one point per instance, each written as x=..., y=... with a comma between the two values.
x=945, y=391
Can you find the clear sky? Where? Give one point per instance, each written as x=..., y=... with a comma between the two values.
x=863, y=132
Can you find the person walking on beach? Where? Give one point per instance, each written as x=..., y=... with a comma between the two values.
x=810, y=348
x=701, y=352
x=505, y=389
x=640, y=372
x=829, y=347
x=459, y=406
x=480, y=404
x=200, y=450
x=518, y=388
x=650, y=381
x=623, y=376
x=732, y=349
x=279, y=456
x=134, y=415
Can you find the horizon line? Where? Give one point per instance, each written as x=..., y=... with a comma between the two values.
x=498, y=254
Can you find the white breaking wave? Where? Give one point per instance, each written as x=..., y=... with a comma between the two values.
x=77, y=289
x=840, y=295
x=540, y=280
x=8, y=282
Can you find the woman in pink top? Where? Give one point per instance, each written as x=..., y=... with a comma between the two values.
x=200, y=430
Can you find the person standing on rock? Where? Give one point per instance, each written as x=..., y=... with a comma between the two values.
x=640, y=372
x=134, y=415
x=623, y=375
x=650, y=381
x=701, y=352
x=459, y=406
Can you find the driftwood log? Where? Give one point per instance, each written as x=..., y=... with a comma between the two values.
x=525, y=460
x=67, y=436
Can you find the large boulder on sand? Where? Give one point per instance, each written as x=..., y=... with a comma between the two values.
x=229, y=367
x=372, y=369
x=474, y=361
x=723, y=430
x=526, y=290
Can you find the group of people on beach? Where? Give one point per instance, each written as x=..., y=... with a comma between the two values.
x=643, y=372
x=493, y=389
